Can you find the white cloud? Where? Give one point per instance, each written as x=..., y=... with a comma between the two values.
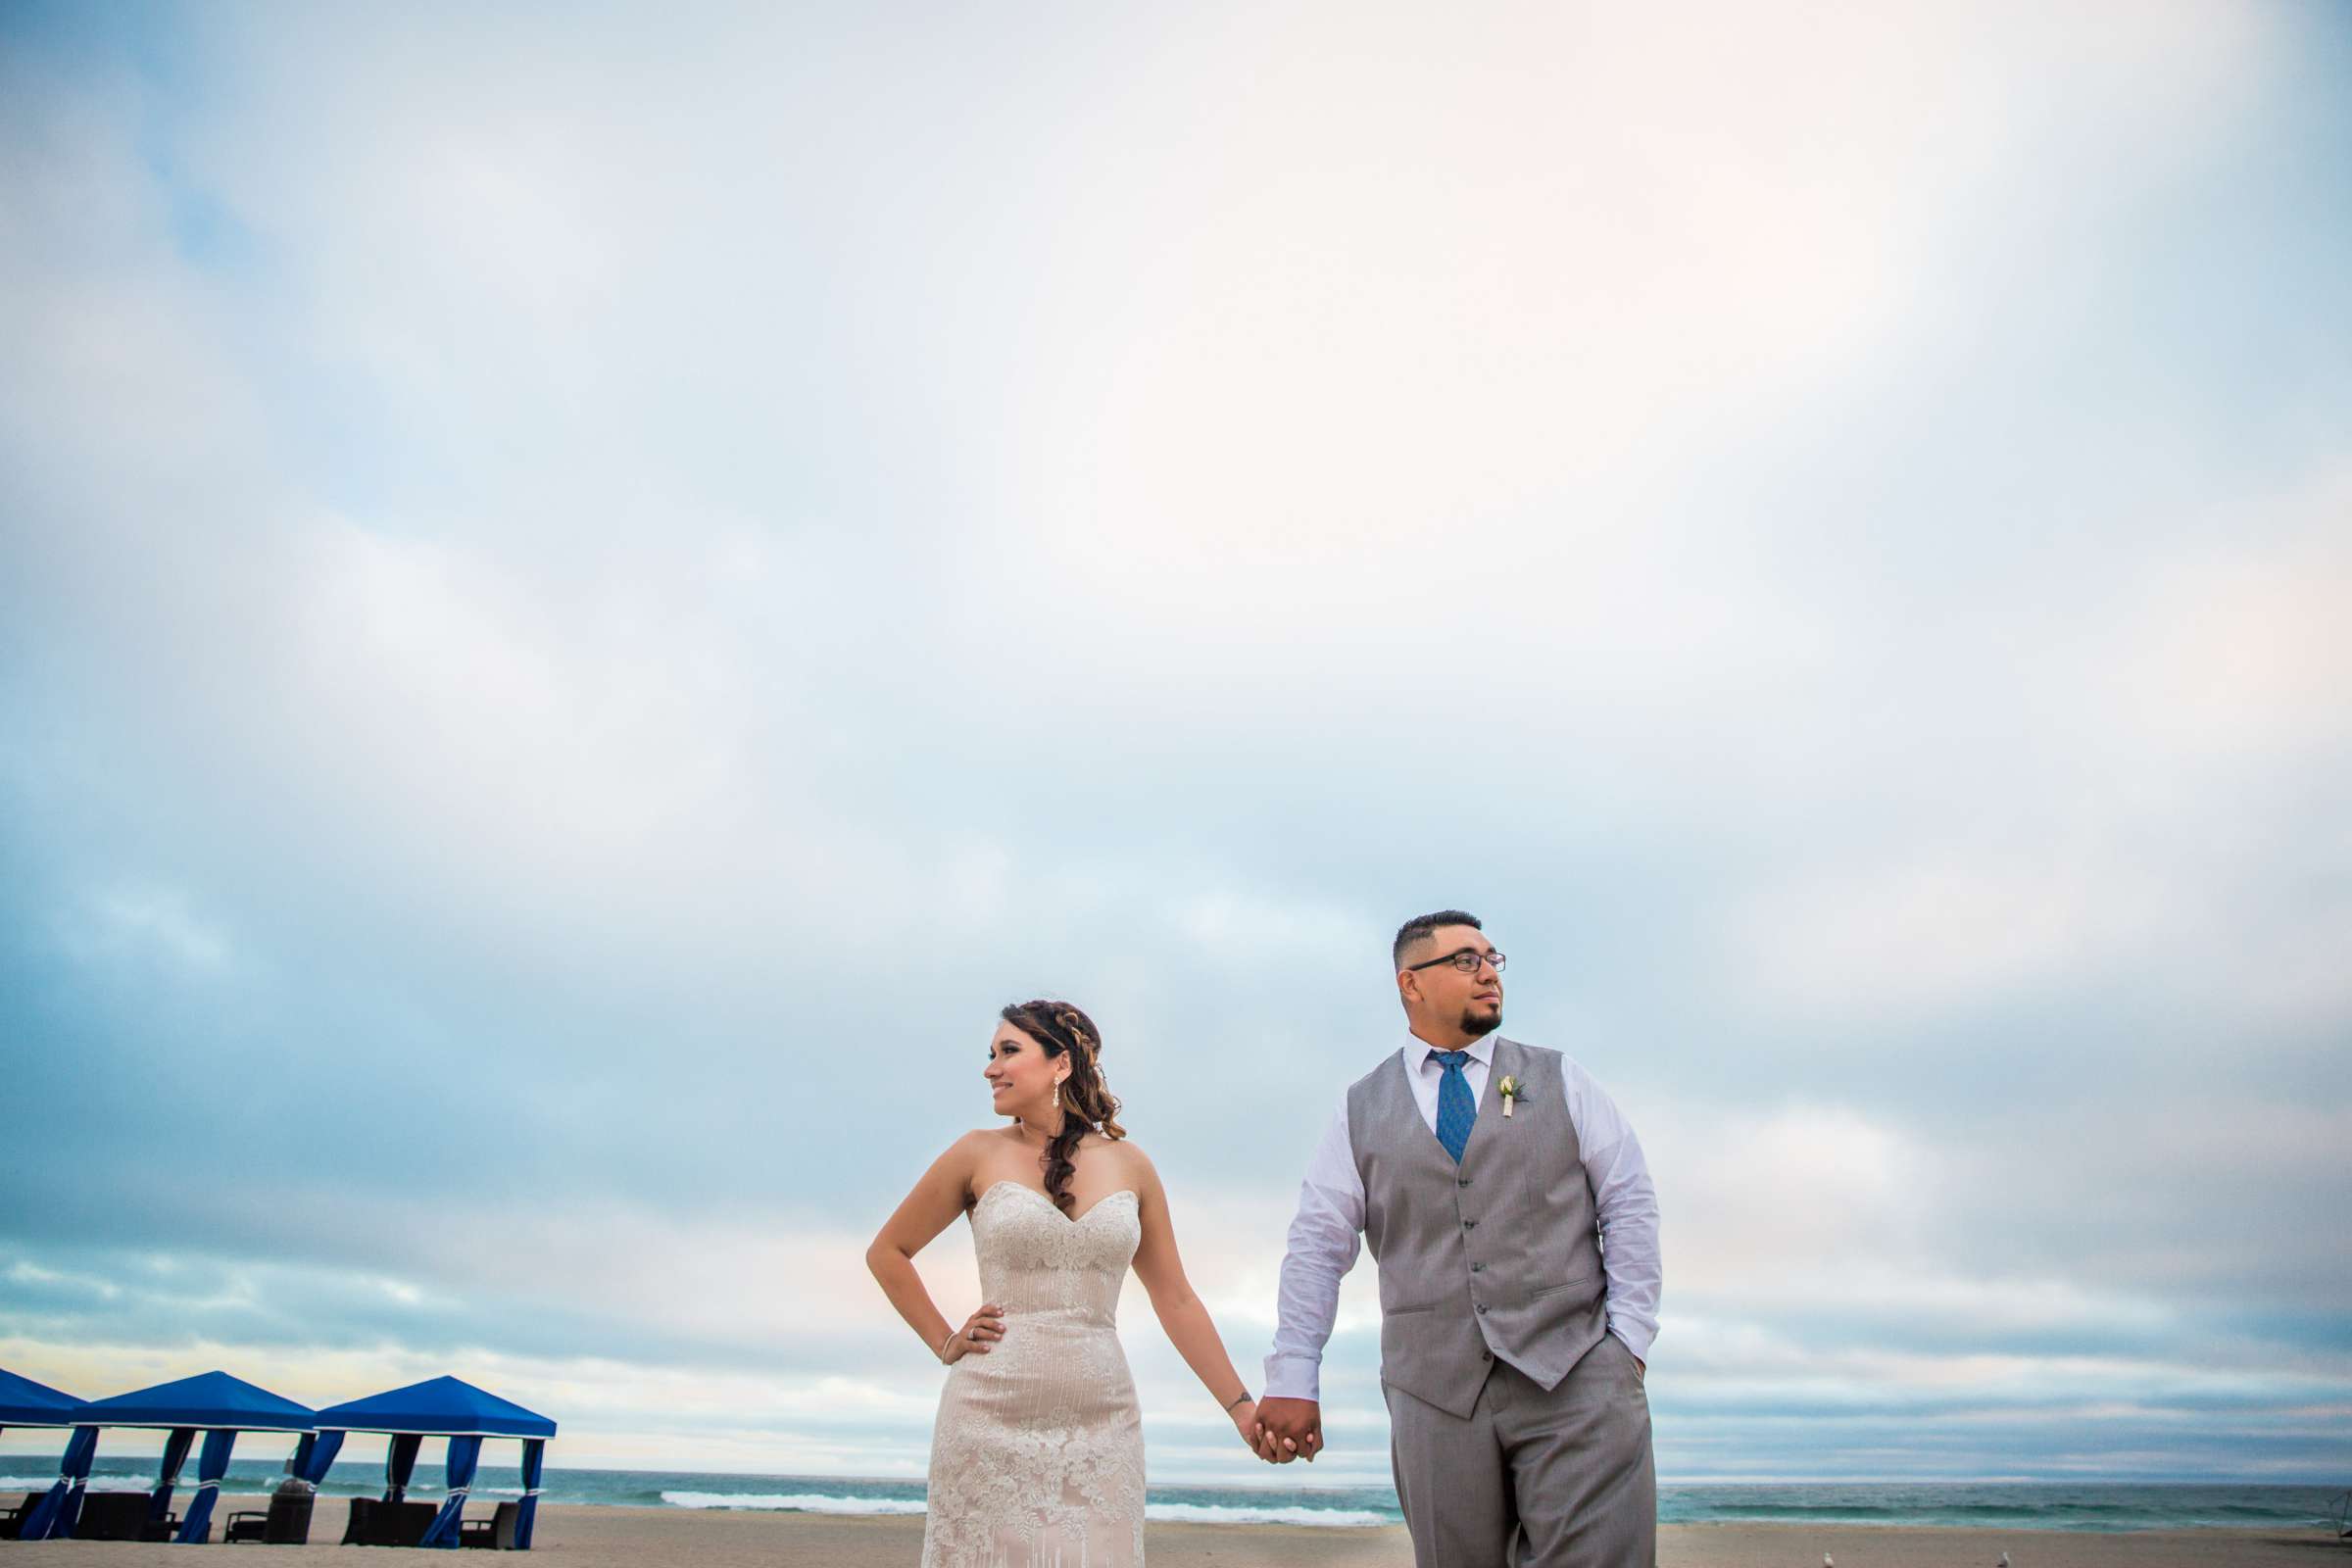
x=2239, y=651
x=1947, y=926
x=142, y=921
x=733, y=529
x=2153, y=819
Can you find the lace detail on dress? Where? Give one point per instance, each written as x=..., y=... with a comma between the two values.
x=1036, y=1458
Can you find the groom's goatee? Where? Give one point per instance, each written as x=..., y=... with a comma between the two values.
x=1473, y=1025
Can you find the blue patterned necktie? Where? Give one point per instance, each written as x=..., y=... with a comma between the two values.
x=1456, y=1110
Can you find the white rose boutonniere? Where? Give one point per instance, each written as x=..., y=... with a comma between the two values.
x=1508, y=1089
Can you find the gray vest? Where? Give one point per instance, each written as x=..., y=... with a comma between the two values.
x=1497, y=1257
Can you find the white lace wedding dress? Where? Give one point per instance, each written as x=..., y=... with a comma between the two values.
x=1036, y=1458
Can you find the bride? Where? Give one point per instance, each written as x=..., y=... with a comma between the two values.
x=1037, y=1457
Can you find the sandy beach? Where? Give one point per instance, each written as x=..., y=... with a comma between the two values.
x=716, y=1539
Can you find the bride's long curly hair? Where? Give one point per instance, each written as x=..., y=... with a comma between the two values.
x=1087, y=1102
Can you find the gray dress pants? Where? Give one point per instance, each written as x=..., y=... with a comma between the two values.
x=1563, y=1479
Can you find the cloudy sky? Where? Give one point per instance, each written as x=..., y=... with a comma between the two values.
x=582, y=598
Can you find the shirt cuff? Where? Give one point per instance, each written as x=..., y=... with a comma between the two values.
x=1636, y=1340
x=1293, y=1377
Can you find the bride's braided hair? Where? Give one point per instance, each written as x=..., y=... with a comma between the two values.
x=1087, y=1102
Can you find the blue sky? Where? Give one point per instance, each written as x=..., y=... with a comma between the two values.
x=580, y=601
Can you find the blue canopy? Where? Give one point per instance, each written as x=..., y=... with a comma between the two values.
x=435, y=1408
x=441, y=1408
x=26, y=1403
x=212, y=1400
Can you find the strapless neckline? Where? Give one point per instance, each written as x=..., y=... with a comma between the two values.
x=1079, y=1219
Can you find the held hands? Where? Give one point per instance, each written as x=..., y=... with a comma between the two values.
x=1244, y=1421
x=978, y=1336
x=1288, y=1429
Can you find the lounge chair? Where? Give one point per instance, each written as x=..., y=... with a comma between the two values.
x=286, y=1523
x=496, y=1533
x=122, y=1516
x=12, y=1520
x=375, y=1523
x=406, y=1524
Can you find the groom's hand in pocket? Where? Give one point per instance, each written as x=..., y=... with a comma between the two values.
x=1288, y=1429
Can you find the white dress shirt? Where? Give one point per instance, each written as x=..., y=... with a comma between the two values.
x=1328, y=1230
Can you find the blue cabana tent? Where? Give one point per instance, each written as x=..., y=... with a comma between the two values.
x=26, y=1403
x=214, y=1402
x=438, y=1408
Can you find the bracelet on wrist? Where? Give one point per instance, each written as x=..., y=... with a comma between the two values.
x=1236, y=1399
x=948, y=1340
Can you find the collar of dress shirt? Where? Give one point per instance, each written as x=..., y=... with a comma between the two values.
x=1482, y=1051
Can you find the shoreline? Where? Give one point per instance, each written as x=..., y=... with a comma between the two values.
x=595, y=1535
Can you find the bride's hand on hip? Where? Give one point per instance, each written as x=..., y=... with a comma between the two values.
x=979, y=1333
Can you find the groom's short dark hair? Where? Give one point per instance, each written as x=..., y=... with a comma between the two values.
x=1422, y=925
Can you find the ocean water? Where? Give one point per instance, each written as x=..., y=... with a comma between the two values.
x=2007, y=1505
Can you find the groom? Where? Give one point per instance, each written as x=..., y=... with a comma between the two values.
x=1486, y=1175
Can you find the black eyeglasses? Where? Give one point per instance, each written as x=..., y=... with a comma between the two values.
x=1467, y=961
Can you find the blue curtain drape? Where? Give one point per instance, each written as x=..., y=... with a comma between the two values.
x=54, y=1517
x=166, y=1475
x=315, y=1456
x=534, y=1454
x=463, y=1455
x=400, y=1463
x=211, y=1465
